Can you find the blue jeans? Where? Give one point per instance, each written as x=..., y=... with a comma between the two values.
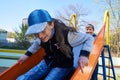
x=42, y=69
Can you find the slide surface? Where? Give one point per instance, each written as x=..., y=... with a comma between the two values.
x=93, y=58
x=13, y=72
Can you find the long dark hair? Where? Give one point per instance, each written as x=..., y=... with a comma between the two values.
x=60, y=27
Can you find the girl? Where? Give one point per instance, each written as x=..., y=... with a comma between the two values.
x=58, y=40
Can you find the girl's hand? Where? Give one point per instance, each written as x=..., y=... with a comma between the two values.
x=22, y=59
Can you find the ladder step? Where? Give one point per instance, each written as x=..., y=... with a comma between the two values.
x=105, y=57
x=106, y=66
x=106, y=75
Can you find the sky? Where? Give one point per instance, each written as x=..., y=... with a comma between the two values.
x=13, y=11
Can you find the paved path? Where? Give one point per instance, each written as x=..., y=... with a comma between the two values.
x=2, y=69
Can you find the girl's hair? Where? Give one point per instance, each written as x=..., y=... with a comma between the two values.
x=59, y=24
x=60, y=27
x=91, y=26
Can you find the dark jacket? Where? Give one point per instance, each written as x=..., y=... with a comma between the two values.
x=54, y=56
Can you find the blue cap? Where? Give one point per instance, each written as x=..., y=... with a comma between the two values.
x=37, y=21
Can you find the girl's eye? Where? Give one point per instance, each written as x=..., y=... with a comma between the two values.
x=43, y=31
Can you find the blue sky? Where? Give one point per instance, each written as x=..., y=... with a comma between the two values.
x=13, y=11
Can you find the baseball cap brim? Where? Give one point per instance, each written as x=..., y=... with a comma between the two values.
x=37, y=28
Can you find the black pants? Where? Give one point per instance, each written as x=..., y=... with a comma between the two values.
x=94, y=75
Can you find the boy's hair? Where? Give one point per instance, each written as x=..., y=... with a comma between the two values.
x=91, y=26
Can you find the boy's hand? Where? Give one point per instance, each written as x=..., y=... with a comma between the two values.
x=82, y=62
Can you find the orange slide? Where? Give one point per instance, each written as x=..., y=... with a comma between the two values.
x=13, y=72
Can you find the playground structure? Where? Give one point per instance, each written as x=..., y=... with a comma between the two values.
x=19, y=69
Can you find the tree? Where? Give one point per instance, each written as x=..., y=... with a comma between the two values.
x=21, y=40
x=77, y=9
x=10, y=35
x=114, y=7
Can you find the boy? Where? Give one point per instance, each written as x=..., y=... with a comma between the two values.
x=90, y=30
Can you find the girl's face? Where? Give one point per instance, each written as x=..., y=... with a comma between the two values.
x=89, y=30
x=45, y=35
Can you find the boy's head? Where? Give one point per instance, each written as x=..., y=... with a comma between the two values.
x=40, y=24
x=90, y=29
